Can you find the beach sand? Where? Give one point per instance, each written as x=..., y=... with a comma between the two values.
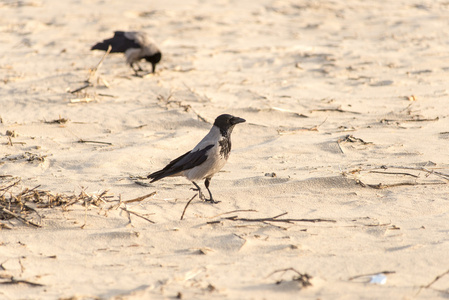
x=346, y=105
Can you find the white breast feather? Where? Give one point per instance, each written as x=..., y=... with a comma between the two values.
x=214, y=163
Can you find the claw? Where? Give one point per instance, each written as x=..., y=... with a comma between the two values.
x=211, y=201
x=200, y=193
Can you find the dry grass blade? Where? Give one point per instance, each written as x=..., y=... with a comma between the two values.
x=88, y=82
x=95, y=69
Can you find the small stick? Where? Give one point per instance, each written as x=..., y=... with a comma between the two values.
x=303, y=279
x=199, y=116
x=394, y=173
x=81, y=88
x=10, y=186
x=35, y=211
x=57, y=121
x=440, y=174
x=136, y=214
x=313, y=128
x=85, y=215
x=338, y=109
x=274, y=219
x=94, y=142
x=94, y=70
x=184, y=211
x=371, y=274
x=131, y=201
x=20, y=218
x=381, y=186
x=284, y=270
x=352, y=139
x=139, y=198
x=339, y=146
x=408, y=120
x=106, y=95
x=233, y=211
x=420, y=169
x=17, y=281
x=288, y=111
x=433, y=281
x=29, y=191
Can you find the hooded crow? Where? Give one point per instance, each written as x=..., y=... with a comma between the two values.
x=135, y=44
x=206, y=159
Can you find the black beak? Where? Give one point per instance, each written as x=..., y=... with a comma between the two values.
x=154, y=67
x=237, y=120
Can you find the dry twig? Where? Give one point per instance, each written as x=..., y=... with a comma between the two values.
x=136, y=214
x=432, y=282
x=381, y=186
x=275, y=219
x=95, y=69
x=20, y=218
x=81, y=141
x=338, y=109
x=417, y=119
x=395, y=173
x=371, y=274
x=188, y=203
x=302, y=278
x=234, y=211
x=19, y=281
x=88, y=82
x=57, y=121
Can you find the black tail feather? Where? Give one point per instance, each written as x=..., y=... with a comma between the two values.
x=119, y=43
x=157, y=175
x=100, y=46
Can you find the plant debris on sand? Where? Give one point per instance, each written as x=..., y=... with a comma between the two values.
x=21, y=204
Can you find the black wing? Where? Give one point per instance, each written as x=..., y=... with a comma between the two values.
x=119, y=43
x=186, y=161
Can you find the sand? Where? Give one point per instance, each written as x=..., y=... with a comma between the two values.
x=331, y=91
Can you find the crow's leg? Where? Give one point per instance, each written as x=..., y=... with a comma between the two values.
x=136, y=71
x=198, y=189
x=211, y=199
x=140, y=68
